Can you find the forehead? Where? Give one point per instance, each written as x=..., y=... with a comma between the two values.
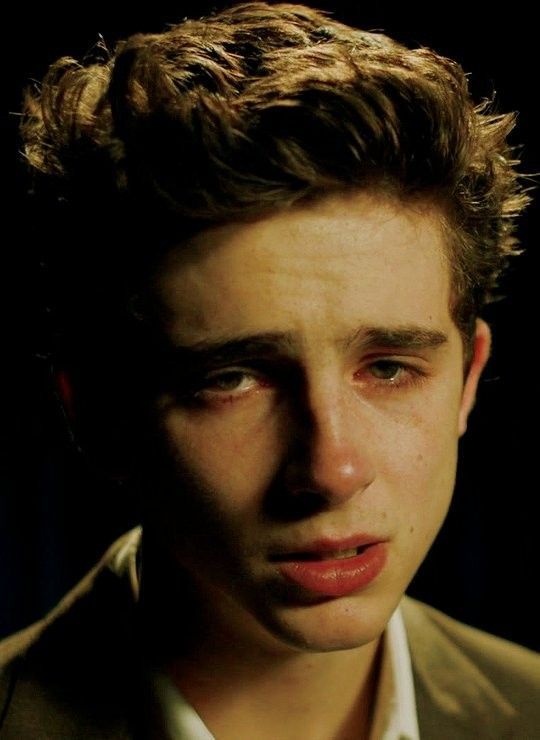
x=345, y=260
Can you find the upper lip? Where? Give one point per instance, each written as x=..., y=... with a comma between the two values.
x=325, y=545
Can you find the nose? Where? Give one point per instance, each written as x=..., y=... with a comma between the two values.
x=332, y=457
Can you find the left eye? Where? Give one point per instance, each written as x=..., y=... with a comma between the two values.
x=386, y=369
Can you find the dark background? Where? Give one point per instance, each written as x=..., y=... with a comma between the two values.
x=57, y=514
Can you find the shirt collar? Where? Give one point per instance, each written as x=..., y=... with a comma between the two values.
x=395, y=716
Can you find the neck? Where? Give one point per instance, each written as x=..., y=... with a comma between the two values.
x=315, y=695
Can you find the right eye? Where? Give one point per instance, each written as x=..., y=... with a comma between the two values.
x=228, y=385
x=229, y=381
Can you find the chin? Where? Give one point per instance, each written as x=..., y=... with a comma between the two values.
x=333, y=624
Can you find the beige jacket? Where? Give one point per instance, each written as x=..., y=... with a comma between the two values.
x=76, y=675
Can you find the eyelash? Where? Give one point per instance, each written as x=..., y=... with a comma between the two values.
x=413, y=374
x=222, y=375
x=203, y=395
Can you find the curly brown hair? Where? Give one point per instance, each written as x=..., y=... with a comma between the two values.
x=259, y=107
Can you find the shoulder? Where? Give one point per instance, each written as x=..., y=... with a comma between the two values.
x=472, y=678
x=57, y=671
x=116, y=565
x=491, y=653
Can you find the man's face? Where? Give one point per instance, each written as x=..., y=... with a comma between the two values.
x=312, y=425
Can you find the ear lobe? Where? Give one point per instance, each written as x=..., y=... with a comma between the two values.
x=64, y=387
x=480, y=356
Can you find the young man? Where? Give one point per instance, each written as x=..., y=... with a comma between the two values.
x=275, y=237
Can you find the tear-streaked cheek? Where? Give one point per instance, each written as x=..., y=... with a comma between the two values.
x=236, y=458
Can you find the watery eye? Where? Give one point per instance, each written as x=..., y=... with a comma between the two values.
x=386, y=369
x=230, y=381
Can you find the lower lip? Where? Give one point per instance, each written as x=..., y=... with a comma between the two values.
x=339, y=577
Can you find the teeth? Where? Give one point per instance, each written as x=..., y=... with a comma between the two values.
x=332, y=555
x=340, y=554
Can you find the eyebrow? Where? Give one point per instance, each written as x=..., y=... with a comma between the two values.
x=401, y=337
x=229, y=349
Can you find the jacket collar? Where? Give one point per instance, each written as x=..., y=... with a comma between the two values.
x=454, y=698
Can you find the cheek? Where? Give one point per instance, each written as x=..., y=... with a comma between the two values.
x=423, y=477
x=212, y=476
x=232, y=453
x=418, y=445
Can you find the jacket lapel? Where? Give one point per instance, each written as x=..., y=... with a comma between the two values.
x=75, y=675
x=454, y=698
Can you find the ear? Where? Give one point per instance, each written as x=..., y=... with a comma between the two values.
x=97, y=425
x=64, y=388
x=480, y=355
